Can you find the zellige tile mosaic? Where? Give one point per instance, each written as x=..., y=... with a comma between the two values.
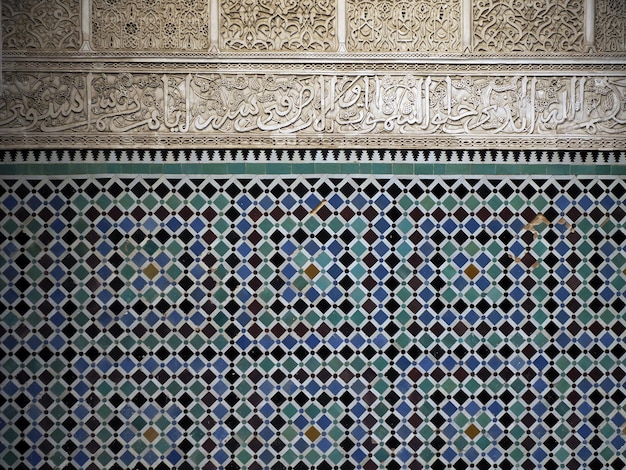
x=312, y=322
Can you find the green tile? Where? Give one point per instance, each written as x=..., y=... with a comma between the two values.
x=559, y=169
x=177, y=168
x=237, y=168
x=402, y=169
x=485, y=168
x=303, y=168
x=439, y=168
x=582, y=170
x=457, y=168
x=350, y=168
x=534, y=169
x=327, y=168
x=256, y=168
x=365, y=168
x=279, y=168
x=382, y=168
x=423, y=169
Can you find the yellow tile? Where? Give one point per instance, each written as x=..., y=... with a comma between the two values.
x=471, y=271
x=151, y=270
x=318, y=207
x=312, y=433
x=472, y=431
x=312, y=271
x=150, y=434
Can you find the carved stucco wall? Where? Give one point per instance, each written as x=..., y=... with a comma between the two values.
x=149, y=25
x=278, y=25
x=41, y=25
x=504, y=26
x=610, y=25
x=405, y=26
x=231, y=73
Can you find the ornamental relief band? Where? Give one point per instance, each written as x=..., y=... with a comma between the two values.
x=260, y=104
x=200, y=27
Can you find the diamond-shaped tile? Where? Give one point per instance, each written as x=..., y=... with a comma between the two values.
x=414, y=321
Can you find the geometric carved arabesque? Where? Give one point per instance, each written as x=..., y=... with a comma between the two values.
x=150, y=25
x=279, y=25
x=528, y=26
x=611, y=25
x=405, y=26
x=40, y=24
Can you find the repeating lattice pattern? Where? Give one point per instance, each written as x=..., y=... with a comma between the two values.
x=312, y=322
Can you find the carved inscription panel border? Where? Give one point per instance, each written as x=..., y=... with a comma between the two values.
x=231, y=106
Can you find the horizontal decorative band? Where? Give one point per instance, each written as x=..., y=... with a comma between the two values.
x=311, y=110
x=276, y=169
x=349, y=64
x=242, y=160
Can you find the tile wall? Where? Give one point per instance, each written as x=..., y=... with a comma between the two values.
x=199, y=317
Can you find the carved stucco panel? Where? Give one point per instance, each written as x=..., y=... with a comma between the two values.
x=350, y=105
x=405, y=26
x=40, y=24
x=43, y=102
x=528, y=26
x=149, y=25
x=278, y=25
x=610, y=25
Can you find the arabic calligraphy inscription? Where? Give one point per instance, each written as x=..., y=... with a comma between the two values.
x=259, y=104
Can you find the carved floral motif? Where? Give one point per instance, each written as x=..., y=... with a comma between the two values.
x=278, y=25
x=262, y=104
x=149, y=25
x=611, y=25
x=40, y=24
x=502, y=26
x=405, y=26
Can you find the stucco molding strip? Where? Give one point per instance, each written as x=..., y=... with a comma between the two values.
x=305, y=141
x=590, y=25
x=466, y=25
x=214, y=29
x=85, y=25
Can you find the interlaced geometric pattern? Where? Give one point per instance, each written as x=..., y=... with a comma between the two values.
x=312, y=322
